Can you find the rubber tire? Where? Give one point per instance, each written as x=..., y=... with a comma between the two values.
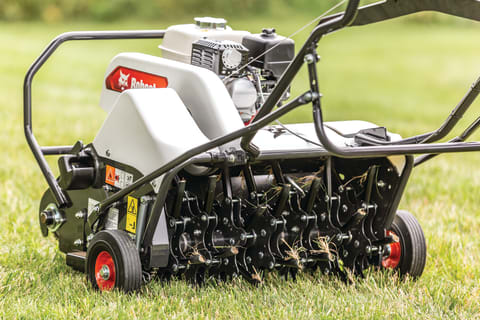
x=121, y=247
x=412, y=242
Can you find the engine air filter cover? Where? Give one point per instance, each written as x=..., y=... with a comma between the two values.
x=222, y=57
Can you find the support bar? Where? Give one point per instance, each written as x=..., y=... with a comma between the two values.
x=37, y=150
x=178, y=161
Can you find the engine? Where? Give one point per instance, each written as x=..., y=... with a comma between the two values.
x=249, y=64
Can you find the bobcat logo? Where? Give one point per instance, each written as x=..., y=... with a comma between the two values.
x=123, y=80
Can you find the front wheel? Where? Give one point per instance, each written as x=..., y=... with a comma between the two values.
x=113, y=262
x=408, y=252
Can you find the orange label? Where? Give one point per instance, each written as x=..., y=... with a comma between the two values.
x=110, y=175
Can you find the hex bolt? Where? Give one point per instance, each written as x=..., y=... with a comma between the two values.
x=343, y=236
x=228, y=201
x=323, y=217
x=248, y=259
x=345, y=253
x=172, y=222
x=263, y=233
x=253, y=195
x=273, y=222
x=303, y=218
x=245, y=236
x=225, y=221
x=344, y=208
x=232, y=242
x=341, y=188
x=174, y=268
x=78, y=242
x=371, y=249
x=197, y=232
x=271, y=265
x=381, y=184
x=225, y=262
x=204, y=217
x=231, y=158
x=80, y=214
x=261, y=255
x=309, y=58
x=327, y=198
x=356, y=243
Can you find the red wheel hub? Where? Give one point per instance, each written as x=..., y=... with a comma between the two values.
x=393, y=260
x=105, y=271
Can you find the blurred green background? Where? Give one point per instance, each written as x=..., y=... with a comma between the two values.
x=52, y=11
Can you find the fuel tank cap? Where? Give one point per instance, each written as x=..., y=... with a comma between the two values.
x=211, y=23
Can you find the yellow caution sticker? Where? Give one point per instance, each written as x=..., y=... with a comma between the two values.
x=132, y=210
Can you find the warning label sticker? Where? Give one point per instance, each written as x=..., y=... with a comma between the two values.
x=112, y=219
x=156, y=183
x=132, y=209
x=118, y=178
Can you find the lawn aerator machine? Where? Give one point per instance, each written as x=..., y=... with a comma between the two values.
x=188, y=178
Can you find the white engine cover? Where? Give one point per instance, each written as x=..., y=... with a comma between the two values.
x=201, y=90
x=147, y=128
x=177, y=43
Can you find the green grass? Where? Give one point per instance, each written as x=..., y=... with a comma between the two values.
x=404, y=76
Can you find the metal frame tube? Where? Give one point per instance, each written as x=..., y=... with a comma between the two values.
x=38, y=151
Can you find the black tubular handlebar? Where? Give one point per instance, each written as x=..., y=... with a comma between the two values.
x=376, y=12
x=38, y=151
x=390, y=9
x=284, y=82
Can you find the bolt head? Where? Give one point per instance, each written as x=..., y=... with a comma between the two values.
x=261, y=255
x=105, y=272
x=263, y=233
x=356, y=243
x=309, y=58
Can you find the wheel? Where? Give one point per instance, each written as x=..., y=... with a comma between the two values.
x=113, y=262
x=408, y=255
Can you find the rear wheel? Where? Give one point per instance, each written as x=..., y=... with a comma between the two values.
x=408, y=253
x=113, y=262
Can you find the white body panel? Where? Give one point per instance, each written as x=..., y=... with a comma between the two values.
x=177, y=43
x=201, y=90
x=143, y=129
x=274, y=138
